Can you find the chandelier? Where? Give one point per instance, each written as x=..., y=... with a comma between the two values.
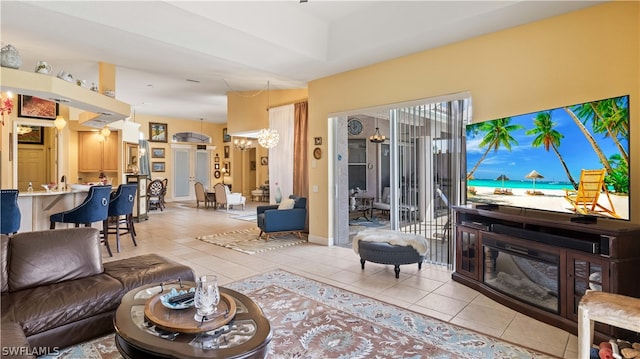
x=268, y=137
x=242, y=145
x=377, y=137
x=21, y=130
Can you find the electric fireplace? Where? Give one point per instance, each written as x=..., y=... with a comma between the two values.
x=527, y=275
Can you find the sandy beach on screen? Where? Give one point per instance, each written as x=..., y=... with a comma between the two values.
x=552, y=200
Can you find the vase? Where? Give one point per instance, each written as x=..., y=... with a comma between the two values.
x=278, y=195
x=9, y=57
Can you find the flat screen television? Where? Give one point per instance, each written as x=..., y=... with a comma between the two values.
x=572, y=159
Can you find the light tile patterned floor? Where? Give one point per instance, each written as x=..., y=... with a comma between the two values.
x=430, y=291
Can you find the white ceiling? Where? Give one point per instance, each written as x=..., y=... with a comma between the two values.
x=240, y=45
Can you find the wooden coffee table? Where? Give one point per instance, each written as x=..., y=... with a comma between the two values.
x=247, y=335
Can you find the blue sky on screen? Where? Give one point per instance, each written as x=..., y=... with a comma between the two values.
x=523, y=158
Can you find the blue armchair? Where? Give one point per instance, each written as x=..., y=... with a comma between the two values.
x=273, y=220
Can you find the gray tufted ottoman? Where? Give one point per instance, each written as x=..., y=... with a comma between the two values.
x=390, y=247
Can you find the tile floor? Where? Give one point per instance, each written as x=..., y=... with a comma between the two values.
x=429, y=291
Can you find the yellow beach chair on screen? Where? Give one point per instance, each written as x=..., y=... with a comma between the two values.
x=585, y=199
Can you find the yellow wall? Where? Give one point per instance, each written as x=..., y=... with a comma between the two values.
x=581, y=56
x=247, y=111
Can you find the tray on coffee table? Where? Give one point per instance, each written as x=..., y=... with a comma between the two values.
x=181, y=320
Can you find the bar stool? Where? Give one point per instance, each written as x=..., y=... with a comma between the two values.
x=10, y=219
x=121, y=204
x=95, y=208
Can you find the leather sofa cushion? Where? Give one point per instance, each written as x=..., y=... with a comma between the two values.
x=150, y=268
x=4, y=250
x=45, y=257
x=50, y=306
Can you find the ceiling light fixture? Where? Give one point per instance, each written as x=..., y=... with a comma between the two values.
x=21, y=130
x=377, y=137
x=59, y=122
x=242, y=144
x=105, y=132
x=268, y=137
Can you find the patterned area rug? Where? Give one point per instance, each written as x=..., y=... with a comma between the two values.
x=247, y=241
x=247, y=217
x=312, y=320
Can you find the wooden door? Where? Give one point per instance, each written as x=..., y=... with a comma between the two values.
x=32, y=168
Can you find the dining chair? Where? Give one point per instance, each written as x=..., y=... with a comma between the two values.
x=203, y=196
x=10, y=212
x=121, y=212
x=94, y=208
x=154, y=194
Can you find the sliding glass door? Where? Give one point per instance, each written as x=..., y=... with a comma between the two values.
x=420, y=165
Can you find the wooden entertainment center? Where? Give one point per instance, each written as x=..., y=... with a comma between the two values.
x=564, y=258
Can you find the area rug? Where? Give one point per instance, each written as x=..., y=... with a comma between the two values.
x=313, y=320
x=247, y=241
x=247, y=217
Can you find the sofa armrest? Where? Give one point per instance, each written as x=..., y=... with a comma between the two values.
x=261, y=209
x=14, y=342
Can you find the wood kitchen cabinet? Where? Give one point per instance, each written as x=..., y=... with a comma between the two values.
x=95, y=154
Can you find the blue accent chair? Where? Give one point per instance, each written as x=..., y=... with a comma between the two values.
x=273, y=220
x=10, y=220
x=121, y=204
x=95, y=208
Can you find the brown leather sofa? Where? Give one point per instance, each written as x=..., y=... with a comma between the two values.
x=58, y=291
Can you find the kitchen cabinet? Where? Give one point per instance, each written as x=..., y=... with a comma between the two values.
x=95, y=154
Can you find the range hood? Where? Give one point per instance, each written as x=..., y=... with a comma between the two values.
x=100, y=110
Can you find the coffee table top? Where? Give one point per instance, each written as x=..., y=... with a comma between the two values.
x=245, y=336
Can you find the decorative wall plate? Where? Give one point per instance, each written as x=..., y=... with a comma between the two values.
x=317, y=153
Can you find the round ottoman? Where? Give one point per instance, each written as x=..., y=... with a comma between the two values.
x=385, y=253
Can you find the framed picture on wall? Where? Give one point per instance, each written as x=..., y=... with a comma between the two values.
x=226, y=151
x=225, y=135
x=35, y=137
x=157, y=152
x=264, y=161
x=157, y=132
x=35, y=107
x=157, y=167
x=227, y=167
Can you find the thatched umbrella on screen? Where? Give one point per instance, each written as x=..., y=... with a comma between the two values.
x=533, y=175
x=502, y=178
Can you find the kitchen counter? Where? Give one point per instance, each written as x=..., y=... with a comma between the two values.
x=36, y=207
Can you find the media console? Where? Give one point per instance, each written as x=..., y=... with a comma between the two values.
x=541, y=263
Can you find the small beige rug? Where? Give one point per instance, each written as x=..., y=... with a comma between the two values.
x=247, y=241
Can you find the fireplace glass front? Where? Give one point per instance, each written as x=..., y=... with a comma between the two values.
x=527, y=275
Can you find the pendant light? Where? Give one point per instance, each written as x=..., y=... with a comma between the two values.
x=377, y=137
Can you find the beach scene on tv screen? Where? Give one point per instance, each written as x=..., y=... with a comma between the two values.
x=572, y=159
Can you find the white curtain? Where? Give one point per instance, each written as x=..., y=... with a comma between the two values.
x=281, y=156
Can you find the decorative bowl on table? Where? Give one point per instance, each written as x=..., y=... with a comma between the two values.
x=165, y=299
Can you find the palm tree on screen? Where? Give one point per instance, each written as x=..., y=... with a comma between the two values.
x=549, y=138
x=497, y=133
